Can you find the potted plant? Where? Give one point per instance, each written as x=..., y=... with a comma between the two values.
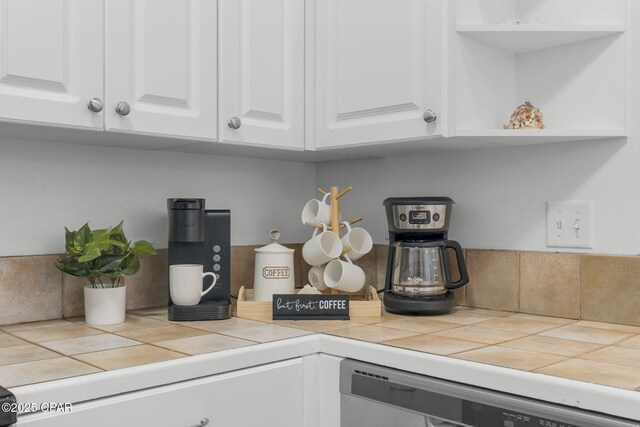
x=104, y=257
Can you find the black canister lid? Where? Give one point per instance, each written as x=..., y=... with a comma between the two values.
x=416, y=200
x=186, y=204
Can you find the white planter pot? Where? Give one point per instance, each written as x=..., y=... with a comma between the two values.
x=104, y=306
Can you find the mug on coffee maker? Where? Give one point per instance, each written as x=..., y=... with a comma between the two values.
x=185, y=283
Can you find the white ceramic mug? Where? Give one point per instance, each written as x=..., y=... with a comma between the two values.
x=322, y=247
x=185, y=283
x=316, y=278
x=358, y=239
x=344, y=275
x=316, y=211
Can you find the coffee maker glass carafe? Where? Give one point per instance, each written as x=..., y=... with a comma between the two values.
x=422, y=268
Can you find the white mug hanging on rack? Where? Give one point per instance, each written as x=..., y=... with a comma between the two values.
x=316, y=211
x=322, y=247
x=344, y=275
x=316, y=278
x=356, y=241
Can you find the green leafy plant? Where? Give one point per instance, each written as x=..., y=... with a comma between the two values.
x=100, y=254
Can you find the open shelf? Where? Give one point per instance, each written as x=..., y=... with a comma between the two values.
x=530, y=37
x=518, y=137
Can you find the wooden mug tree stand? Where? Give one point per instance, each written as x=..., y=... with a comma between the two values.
x=360, y=305
x=369, y=302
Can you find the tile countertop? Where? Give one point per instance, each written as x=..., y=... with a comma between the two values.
x=599, y=353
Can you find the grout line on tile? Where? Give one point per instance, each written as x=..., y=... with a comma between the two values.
x=168, y=323
x=164, y=348
x=247, y=339
x=610, y=361
x=264, y=342
x=90, y=364
x=580, y=281
x=483, y=346
x=519, y=264
x=549, y=364
x=29, y=341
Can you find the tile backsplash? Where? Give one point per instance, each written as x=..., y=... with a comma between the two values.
x=603, y=288
x=32, y=288
x=494, y=279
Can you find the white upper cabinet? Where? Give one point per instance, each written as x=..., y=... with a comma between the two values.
x=51, y=61
x=378, y=70
x=339, y=77
x=161, y=75
x=261, y=66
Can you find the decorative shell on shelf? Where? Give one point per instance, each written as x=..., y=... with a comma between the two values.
x=526, y=116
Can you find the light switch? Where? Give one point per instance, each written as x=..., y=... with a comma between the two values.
x=570, y=224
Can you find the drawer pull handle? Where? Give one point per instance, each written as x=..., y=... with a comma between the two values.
x=203, y=422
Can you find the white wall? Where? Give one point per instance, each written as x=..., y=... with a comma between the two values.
x=501, y=194
x=46, y=186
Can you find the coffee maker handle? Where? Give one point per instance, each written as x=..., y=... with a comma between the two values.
x=462, y=267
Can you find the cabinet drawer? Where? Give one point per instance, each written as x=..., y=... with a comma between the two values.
x=267, y=395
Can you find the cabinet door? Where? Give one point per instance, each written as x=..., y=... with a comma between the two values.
x=262, y=72
x=161, y=60
x=264, y=396
x=378, y=68
x=51, y=61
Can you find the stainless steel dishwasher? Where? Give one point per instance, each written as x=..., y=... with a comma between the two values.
x=375, y=396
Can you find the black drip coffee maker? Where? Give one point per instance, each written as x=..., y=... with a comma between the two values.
x=419, y=275
x=199, y=236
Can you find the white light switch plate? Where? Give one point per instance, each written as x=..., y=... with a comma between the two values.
x=570, y=224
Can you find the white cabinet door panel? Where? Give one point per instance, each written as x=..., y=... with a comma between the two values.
x=378, y=68
x=264, y=396
x=161, y=58
x=51, y=61
x=262, y=72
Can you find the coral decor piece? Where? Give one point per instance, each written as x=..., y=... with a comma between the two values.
x=526, y=116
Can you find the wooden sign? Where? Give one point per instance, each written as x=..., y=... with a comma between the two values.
x=310, y=307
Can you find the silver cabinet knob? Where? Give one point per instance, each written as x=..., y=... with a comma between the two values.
x=235, y=123
x=429, y=116
x=123, y=108
x=95, y=105
x=203, y=422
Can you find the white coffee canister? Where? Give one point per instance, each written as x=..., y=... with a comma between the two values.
x=274, y=273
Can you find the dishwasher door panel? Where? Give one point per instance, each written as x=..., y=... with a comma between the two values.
x=378, y=396
x=358, y=412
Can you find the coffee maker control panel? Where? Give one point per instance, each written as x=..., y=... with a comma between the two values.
x=419, y=217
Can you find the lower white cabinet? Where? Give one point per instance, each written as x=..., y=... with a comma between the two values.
x=328, y=372
x=263, y=396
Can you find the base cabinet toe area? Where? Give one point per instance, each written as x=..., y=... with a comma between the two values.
x=267, y=395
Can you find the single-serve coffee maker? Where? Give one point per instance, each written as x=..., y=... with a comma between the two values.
x=419, y=275
x=199, y=236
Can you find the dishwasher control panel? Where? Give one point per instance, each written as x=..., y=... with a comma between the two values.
x=481, y=414
x=513, y=419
